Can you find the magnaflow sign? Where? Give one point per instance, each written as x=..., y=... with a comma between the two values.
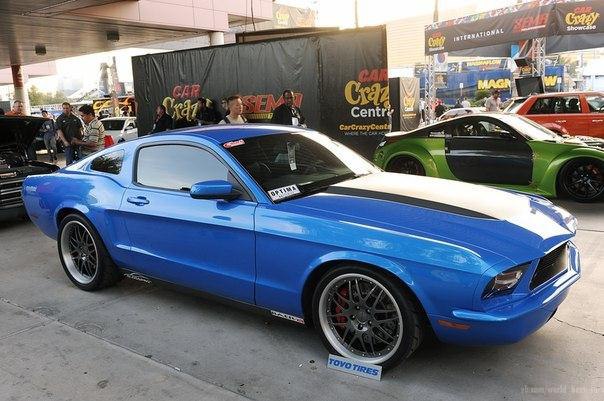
x=339, y=80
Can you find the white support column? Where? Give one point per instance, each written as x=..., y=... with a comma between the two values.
x=19, y=80
x=216, y=38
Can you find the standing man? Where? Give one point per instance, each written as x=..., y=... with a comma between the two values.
x=69, y=127
x=17, y=109
x=49, y=132
x=163, y=121
x=93, y=139
x=235, y=115
x=440, y=108
x=422, y=111
x=204, y=114
x=493, y=103
x=287, y=113
x=465, y=103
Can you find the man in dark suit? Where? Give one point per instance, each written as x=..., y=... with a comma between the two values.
x=287, y=113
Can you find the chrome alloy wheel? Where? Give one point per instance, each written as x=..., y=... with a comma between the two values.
x=79, y=252
x=360, y=318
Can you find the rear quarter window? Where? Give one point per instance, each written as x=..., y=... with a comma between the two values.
x=110, y=163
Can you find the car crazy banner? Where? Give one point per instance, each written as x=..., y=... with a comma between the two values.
x=339, y=80
x=513, y=24
x=409, y=95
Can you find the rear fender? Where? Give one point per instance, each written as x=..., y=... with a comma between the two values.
x=550, y=177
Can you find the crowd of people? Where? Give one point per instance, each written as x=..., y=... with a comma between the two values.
x=286, y=114
x=80, y=136
x=491, y=104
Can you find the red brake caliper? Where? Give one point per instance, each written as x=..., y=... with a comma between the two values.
x=344, y=293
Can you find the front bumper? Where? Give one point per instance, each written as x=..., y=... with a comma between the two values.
x=511, y=322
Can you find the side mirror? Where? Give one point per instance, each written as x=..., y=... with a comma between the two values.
x=216, y=189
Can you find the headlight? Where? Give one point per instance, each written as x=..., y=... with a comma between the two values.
x=505, y=282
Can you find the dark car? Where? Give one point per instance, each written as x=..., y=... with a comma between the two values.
x=16, y=136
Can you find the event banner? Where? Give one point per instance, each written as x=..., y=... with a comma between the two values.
x=580, y=18
x=513, y=24
x=409, y=95
x=339, y=80
x=354, y=90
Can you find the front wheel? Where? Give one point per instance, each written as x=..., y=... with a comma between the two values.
x=362, y=314
x=406, y=165
x=84, y=256
x=583, y=180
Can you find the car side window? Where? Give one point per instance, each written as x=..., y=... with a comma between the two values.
x=556, y=105
x=596, y=104
x=108, y=163
x=478, y=128
x=178, y=167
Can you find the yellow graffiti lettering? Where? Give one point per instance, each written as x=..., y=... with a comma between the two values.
x=585, y=19
x=357, y=94
x=436, y=42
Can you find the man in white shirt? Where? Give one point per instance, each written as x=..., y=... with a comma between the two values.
x=465, y=103
x=235, y=111
x=493, y=103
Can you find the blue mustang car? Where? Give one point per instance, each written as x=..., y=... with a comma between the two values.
x=295, y=223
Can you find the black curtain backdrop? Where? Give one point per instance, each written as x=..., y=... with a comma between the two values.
x=339, y=80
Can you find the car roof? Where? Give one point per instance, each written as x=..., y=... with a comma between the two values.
x=470, y=115
x=227, y=132
x=586, y=93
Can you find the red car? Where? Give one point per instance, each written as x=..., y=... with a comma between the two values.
x=572, y=113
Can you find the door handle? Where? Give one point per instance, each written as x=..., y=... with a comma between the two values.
x=138, y=200
x=560, y=121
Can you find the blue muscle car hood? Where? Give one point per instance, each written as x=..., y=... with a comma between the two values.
x=515, y=227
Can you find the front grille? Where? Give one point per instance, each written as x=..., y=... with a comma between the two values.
x=10, y=193
x=550, y=265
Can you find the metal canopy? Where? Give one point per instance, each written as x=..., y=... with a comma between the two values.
x=25, y=24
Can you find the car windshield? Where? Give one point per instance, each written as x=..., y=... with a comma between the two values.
x=295, y=164
x=514, y=106
x=530, y=128
x=113, y=125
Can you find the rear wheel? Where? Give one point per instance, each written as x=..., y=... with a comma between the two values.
x=406, y=165
x=583, y=179
x=84, y=256
x=361, y=314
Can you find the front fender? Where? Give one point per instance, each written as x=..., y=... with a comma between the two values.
x=379, y=262
x=420, y=154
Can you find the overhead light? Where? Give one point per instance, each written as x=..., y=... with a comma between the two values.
x=113, y=36
x=40, y=50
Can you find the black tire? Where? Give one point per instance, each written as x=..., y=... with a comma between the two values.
x=403, y=316
x=105, y=273
x=582, y=180
x=406, y=165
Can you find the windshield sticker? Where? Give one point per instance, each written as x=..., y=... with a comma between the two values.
x=291, y=155
x=232, y=144
x=283, y=192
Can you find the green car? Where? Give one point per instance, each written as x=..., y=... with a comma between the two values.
x=502, y=150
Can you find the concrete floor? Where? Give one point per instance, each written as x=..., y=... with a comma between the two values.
x=137, y=341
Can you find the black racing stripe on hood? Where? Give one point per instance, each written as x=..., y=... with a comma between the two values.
x=407, y=200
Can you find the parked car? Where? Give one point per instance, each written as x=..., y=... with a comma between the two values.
x=572, y=113
x=16, y=162
x=297, y=224
x=120, y=128
x=462, y=111
x=498, y=149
